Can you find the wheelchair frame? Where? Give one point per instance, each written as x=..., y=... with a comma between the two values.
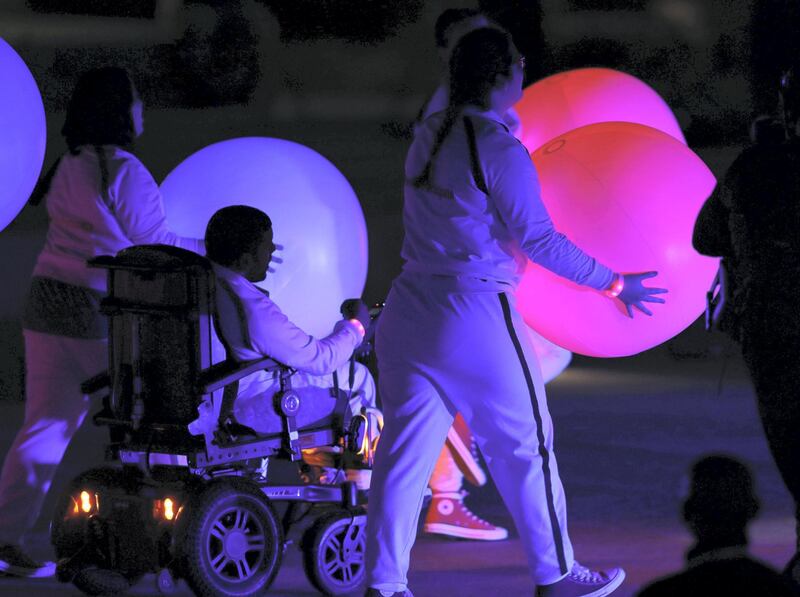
x=160, y=458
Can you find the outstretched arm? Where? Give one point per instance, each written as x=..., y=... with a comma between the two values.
x=514, y=185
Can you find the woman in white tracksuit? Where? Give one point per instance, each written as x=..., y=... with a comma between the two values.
x=100, y=199
x=450, y=339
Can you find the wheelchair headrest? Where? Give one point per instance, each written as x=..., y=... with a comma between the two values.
x=154, y=258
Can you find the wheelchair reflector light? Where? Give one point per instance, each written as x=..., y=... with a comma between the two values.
x=166, y=509
x=169, y=512
x=87, y=503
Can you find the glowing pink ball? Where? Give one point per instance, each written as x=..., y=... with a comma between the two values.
x=23, y=134
x=575, y=98
x=628, y=195
x=315, y=213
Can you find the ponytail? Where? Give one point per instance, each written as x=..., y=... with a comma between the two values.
x=479, y=58
x=451, y=115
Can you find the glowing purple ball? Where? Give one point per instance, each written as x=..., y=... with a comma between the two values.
x=23, y=133
x=315, y=214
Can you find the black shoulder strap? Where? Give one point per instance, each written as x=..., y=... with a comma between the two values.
x=474, y=158
x=223, y=285
x=43, y=185
x=103, y=162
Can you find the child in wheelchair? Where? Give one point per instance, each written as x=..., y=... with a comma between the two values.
x=198, y=431
x=239, y=241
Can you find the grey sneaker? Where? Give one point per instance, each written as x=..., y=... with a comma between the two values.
x=583, y=582
x=15, y=562
x=376, y=593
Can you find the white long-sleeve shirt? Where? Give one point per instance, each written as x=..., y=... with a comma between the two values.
x=453, y=228
x=84, y=223
x=254, y=327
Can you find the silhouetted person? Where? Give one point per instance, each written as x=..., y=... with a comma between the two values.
x=753, y=221
x=717, y=510
x=451, y=339
x=100, y=199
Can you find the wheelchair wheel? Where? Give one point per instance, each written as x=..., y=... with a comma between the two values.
x=71, y=530
x=232, y=543
x=97, y=581
x=333, y=552
x=68, y=531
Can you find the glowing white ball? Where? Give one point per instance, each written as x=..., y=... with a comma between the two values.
x=23, y=134
x=316, y=218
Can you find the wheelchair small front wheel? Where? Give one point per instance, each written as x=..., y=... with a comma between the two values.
x=99, y=581
x=334, y=550
x=232, y=543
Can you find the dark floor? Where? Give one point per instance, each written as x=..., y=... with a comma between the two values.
x=626, y=432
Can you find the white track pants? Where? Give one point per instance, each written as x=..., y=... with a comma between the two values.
x=447, y=476
x=444, y=348
x=55, y=366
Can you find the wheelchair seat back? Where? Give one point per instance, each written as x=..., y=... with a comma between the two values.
x=163, y=365
x=159, y=304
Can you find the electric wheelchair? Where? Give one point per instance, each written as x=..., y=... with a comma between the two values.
x=213, y=505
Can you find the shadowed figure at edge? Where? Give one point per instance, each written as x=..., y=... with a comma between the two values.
x=752, y=221
x=717, y=510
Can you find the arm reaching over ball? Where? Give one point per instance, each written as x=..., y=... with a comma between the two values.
x=526, y=216
x=513, y=184
x=629, y=289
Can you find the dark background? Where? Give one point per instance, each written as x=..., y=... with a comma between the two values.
x=346, y=77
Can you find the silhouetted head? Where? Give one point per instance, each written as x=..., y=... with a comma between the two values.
x=104, y=110
x=767, y=130
x=239, y=237
x=485, y=62
x=486, y=70
x=452, y=24
x=721, y=500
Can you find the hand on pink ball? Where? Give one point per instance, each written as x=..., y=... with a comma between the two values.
x=629, y=289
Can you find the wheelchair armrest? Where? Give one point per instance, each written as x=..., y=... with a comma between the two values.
x=222, y=374
x=96, y=383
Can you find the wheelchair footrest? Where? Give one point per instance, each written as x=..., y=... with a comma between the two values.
x=345, y=493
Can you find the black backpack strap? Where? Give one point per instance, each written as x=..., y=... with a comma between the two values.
x=231, y=391
x=102, y=161
x=474, y=157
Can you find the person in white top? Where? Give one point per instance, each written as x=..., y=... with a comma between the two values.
x=450, y=27
x=100, y=199
x=447, y=514
x=251, y=326
x=450, y=339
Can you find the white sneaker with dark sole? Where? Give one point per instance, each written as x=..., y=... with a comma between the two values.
x=583, y=582
x=15, y=562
